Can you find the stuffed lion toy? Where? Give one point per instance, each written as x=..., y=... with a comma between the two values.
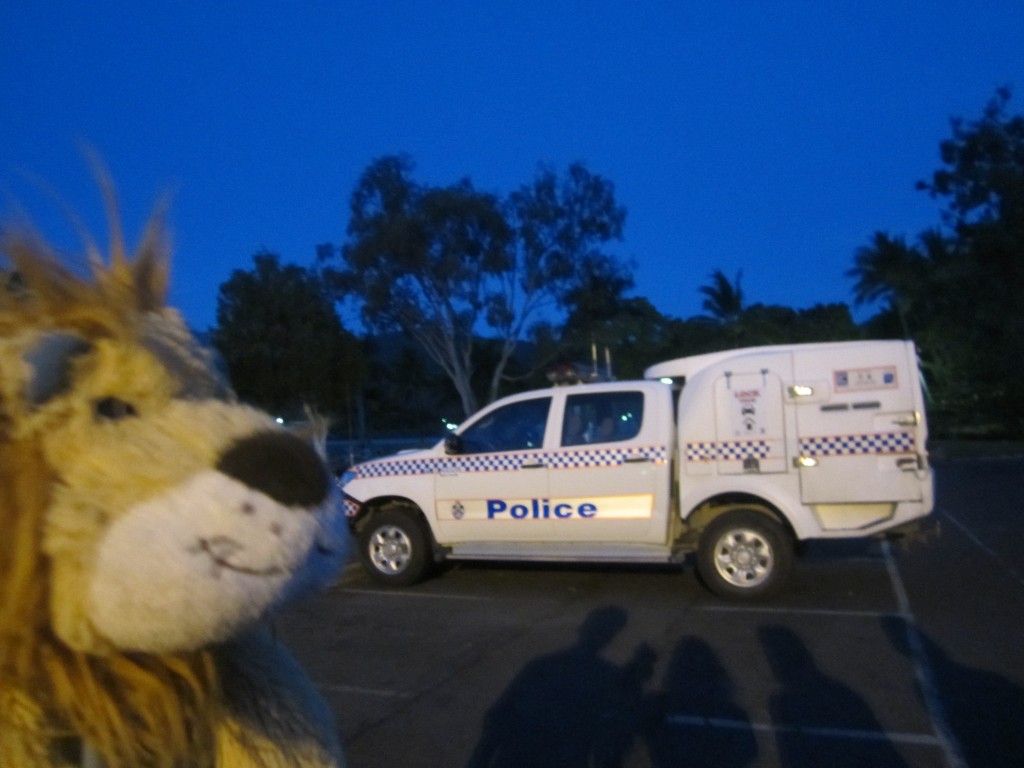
x=149, y=523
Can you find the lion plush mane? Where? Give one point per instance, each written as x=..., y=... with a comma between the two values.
x=149, y=522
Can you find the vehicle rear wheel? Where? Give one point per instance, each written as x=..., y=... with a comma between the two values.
x=394, y=548
x=744, y=555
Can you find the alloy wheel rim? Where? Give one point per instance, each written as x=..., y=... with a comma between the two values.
x=390, y=549
x=744, y=558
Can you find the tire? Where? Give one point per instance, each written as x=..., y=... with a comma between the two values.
x=744, y=555
x=394, y=548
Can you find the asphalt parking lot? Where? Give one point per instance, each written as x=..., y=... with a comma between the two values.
x=878, y=654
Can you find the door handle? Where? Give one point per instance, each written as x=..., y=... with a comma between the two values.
x=532, y=466
x=909, y=463
x=637, y=460
x=908, y=420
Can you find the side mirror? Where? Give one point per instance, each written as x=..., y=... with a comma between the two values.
x=452, y=445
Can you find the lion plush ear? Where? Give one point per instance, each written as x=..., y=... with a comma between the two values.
x=40, y=290
x=140, y=282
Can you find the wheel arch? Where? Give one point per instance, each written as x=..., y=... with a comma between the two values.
x=380, y=503
x=713, y=507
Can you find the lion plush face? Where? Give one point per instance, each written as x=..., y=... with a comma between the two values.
x=168, y=516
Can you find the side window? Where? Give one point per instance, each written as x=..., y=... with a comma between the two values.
x=603, y=417
x=513, y=427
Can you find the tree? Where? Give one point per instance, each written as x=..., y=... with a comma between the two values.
x=446, y=265
x=560, y=226
x=957, y=291
x=983, y=181
x=889, y=271
x=772, y=324
x=723, y=300
x=982, y=185
x=282, y=341
x=423, y=261
x=631, y=329
x=724, y=303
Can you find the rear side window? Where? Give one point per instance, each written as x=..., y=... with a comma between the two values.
x=602, y=417
x=513, y=427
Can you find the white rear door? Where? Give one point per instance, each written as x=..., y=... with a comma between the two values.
x=860, y=432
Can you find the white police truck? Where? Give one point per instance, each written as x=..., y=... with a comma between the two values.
x=735, y=456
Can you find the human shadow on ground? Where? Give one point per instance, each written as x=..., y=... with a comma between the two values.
x=569, y=708
x=982, y=713
x=818, y=720
x=694, y=720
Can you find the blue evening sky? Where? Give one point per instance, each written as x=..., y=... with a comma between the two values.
x=768, y=137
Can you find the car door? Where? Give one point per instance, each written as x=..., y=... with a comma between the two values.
x=493, y=486
x=608, y=476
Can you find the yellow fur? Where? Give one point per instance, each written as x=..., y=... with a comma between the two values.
x=100, y=697
x=65, y=478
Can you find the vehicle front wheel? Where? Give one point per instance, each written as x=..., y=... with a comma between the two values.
x=394, y=548
x=744, y=555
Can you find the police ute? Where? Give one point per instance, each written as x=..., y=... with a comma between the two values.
x=733, y=456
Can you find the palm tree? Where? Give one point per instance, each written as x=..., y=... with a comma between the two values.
x=889, y=271
x=724, y=300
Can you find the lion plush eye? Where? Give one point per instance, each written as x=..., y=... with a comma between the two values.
x=114, y=409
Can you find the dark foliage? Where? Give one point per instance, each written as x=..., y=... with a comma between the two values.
x=282, y=341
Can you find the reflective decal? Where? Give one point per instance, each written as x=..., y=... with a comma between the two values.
x=583, y=508
x=857, y=445
x=728, y=450
x=351, y=507
x=450, y=466
x=882, y=443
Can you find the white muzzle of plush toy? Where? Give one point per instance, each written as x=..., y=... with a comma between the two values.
x=211, y=556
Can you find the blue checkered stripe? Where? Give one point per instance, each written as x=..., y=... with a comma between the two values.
x=487, y=462
x=502, y=462
x=397, y=467
x=858, y=445
x=603, y=457
x=728, y=450
x=351, y=507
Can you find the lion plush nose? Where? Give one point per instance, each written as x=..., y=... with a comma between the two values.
x=280, y=465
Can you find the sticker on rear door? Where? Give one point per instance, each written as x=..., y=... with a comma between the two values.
x=861, y=379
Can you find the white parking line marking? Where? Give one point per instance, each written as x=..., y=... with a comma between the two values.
x=984, y=548
x=919, y=739
x=922, y=668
